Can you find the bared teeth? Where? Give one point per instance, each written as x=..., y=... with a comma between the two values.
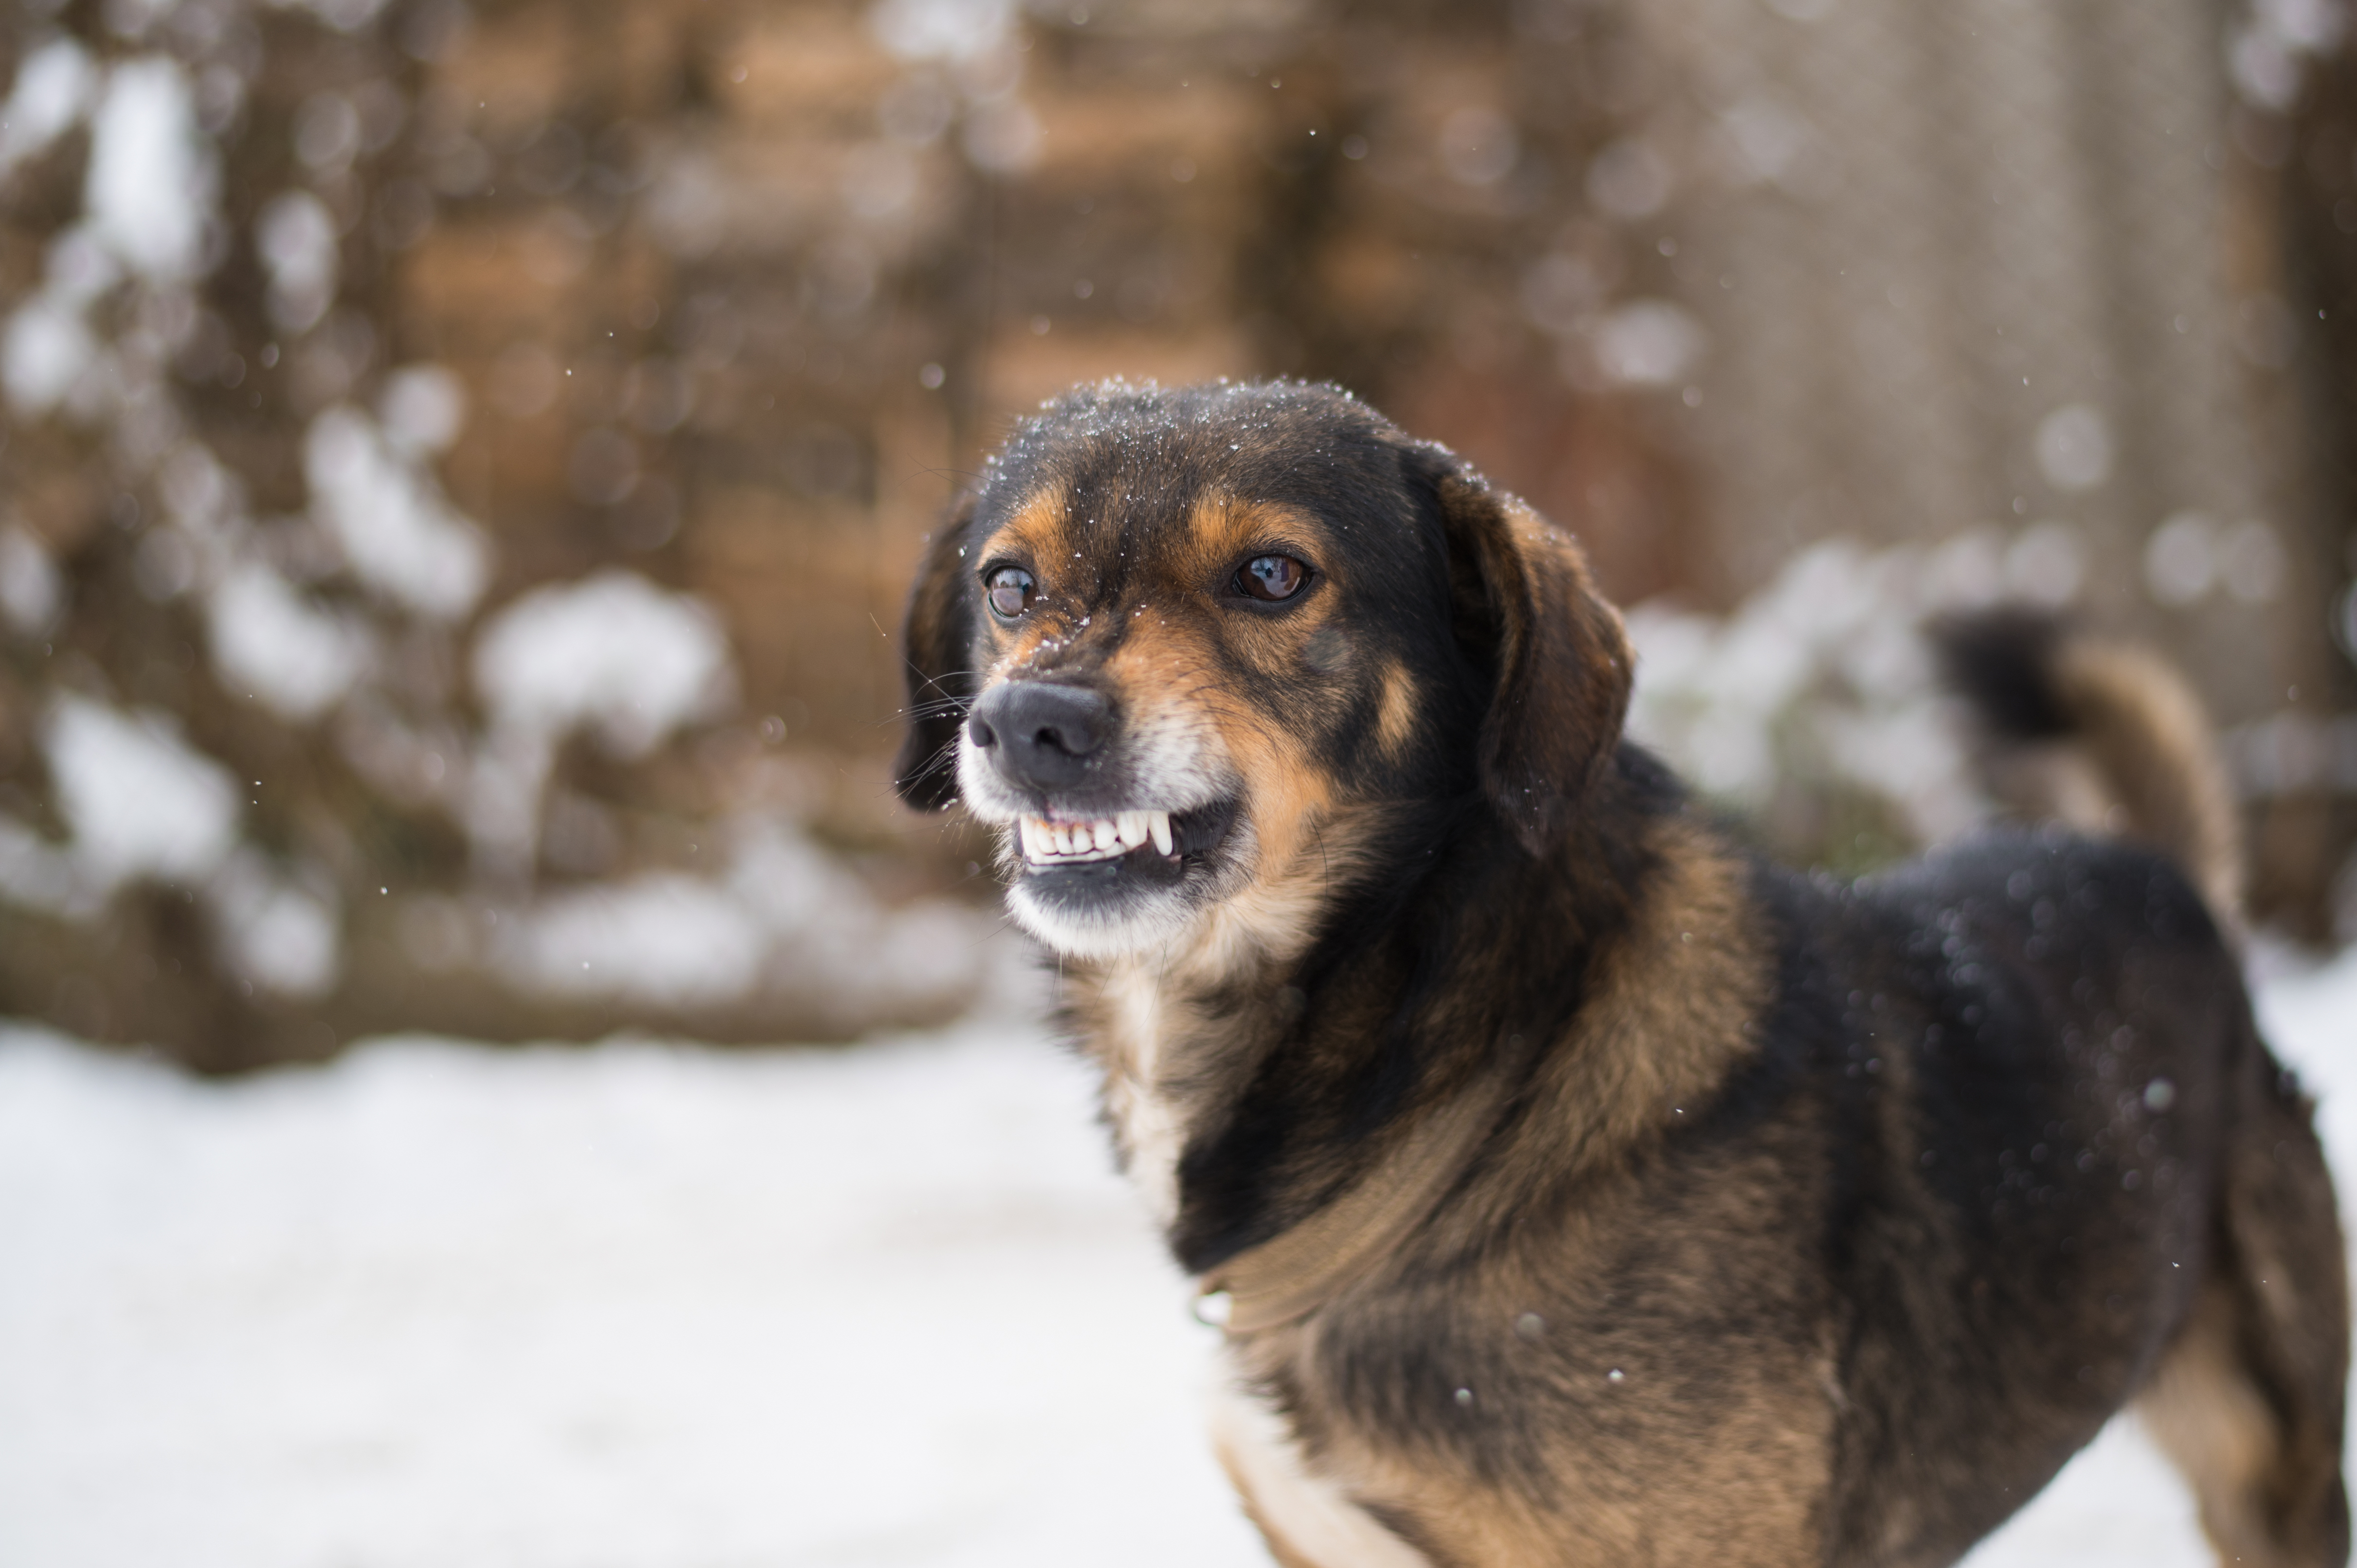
x=1103, y=838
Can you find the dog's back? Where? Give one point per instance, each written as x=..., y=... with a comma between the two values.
x=2236, y=1340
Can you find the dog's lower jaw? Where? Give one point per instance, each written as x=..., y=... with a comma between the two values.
x=1169, y=920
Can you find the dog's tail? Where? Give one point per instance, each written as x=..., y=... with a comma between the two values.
x=2101, y=734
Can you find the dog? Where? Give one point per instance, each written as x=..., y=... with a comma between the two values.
x=1573, y=1185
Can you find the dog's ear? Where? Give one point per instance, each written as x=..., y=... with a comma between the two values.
x=1527, y=611
x=936, y=649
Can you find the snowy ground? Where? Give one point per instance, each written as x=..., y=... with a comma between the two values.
x=437, y=1306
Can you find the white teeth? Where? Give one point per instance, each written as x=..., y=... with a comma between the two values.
x=1102, y=840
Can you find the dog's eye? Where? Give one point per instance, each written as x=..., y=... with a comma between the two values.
x=1010, y=592
x=1271, y=577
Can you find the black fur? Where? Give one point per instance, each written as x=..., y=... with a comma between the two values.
x=2003, y=661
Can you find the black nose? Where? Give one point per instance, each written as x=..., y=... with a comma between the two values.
x=1039, y=734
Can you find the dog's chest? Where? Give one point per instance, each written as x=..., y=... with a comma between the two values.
x=1137, y=1021
x=1308, y=1519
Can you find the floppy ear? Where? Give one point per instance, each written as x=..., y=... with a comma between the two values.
x=1526, y=609
x=936, y=647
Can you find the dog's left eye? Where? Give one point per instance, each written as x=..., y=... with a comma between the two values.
x=1271, y=577
x=1010, y=592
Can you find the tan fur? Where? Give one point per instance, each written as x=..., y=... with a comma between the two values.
x=1395, y=720
x=2156, y=768
x=1038, y=525
x=1744, y=1498
x=2215, y=1427
x=2152, y=741
x=1669, y=1016
x=1038, y=528
x=1223, y=527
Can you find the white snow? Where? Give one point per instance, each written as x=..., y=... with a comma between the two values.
x=663, y=937
x=443, y=1305
x=48, y=348
x=344, y=15
x=1820, y=676
x=954, y=30
x=296, y=237
x=778, y=912
x=32, y=590
x=389, y=518
x=275, y=932
x=52, y=88
x=271, y=642
x=611, y=651
x=152, y=176
x=2073, y=447
x=1648, y=343
x=137, y=799
x=424, y=408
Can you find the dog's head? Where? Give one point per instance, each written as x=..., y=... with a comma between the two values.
x=1191, y=646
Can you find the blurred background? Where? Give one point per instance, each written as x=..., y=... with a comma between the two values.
x=461, y=463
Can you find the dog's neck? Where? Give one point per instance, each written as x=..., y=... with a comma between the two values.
x=1256, y=1073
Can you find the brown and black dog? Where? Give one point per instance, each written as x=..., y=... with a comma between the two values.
x=1574, y=1187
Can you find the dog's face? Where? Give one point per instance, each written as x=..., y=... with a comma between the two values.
x=1188, y=648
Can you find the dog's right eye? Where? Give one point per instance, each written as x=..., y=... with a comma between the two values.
x=1010, y=592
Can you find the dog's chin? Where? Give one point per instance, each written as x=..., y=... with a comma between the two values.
x=1134, y=900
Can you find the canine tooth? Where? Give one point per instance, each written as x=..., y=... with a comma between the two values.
x=1158, y=823
x=1027, y=830
x=1106, y=835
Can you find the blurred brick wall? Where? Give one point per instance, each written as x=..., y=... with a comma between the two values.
x=739, y=293
x=797, y=284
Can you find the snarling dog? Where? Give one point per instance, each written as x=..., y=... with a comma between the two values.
x=1573, y=1186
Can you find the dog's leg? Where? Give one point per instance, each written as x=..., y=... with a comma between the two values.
x=2249, y=1400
